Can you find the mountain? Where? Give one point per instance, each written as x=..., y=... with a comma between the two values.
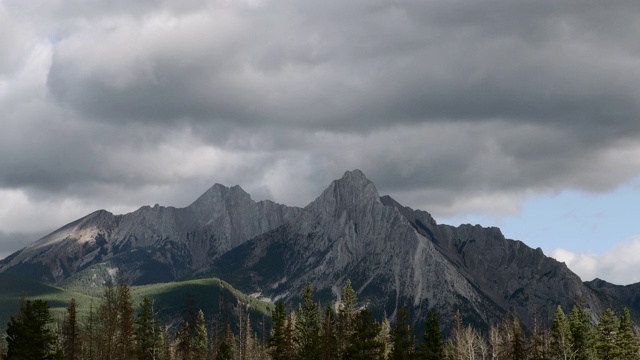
x=395, y=256
x=153, y=244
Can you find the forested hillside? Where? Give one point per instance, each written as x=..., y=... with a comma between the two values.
x=117, y=328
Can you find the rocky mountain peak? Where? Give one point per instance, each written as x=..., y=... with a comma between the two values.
x=353, y=189
x=219, y=196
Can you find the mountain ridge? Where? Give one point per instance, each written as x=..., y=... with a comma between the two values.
x=395, y=256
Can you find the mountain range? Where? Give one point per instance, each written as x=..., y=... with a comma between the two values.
x=394, y=256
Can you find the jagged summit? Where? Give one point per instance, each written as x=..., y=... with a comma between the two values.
x=395, y=256
x=218, y=192
x=352, y=190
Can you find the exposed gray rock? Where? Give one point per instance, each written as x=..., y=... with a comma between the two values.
x=166, y=240
x=395, y=256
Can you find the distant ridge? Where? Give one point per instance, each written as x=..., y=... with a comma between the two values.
x=395, y=256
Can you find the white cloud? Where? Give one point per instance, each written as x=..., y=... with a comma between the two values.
x=620, y=265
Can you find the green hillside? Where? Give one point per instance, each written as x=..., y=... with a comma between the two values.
x=214, y=296
x=13, y=288
x=209, y=294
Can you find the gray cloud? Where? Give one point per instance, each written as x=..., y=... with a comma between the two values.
x=450, y=106
x=9, y=242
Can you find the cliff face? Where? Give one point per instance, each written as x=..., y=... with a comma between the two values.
x=152, y=243
x=395, y=256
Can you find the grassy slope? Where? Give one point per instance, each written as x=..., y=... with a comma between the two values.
x=170, y=299
x=13, y=288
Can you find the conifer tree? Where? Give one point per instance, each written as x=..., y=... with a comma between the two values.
x=606, y=344
x=364, y=344
x=561, y=347
x=29, y=334
x=329, y=341
x=225, y=351
x=91, y=335
x=432, y=345
x=518, y=348
x=166, y=344
x=71, y=339
x=148, y=332
x=183, y=342
x=200, y=345
x=290, y=336
x=627, y=342
x=126, y=340
x=277, y=341
x=107, y=325
x=308, y=327
x=346, y=316
x=402, y=336
x=581, y=332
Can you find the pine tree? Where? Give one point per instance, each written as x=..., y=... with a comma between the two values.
x=166, y=344
x=346, y=316
x=518, y=348
x=253, y=349
x=627, y=342
x=402, y=336
x=606, y=345
x=364, y=344
x=183, y=342
x=148, y=332
x=581, y=332
x=29, y=334
x=225, y=352
x=432, y=345
x=107, y=325
x=290, y=336
x=329, y=341
x=126, y=340
x=561, y=347
x=71, y=339
x=200, y=341
x=277, y=342
x=308, y=327
x=91, y=335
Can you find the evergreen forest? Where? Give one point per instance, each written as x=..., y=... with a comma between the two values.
x=117, y=329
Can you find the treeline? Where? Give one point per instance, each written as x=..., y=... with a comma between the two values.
x=115, y=331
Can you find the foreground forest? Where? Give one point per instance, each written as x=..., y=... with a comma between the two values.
x=114, y=330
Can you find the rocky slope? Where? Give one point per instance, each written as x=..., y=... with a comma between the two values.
x=152, y=243
x=395, y=256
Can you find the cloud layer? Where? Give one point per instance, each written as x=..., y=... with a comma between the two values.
x=619, y=265
x=449, y=106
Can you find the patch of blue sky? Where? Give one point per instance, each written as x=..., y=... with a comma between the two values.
x=573, y=220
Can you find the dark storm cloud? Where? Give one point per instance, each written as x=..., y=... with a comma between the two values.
x=441, y=103
x=361, y=66
x=10, y=242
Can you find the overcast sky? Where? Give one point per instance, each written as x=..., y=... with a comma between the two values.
x=518, y=114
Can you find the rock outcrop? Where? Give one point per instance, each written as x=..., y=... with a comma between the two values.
x=152, y=243
x=395, y=256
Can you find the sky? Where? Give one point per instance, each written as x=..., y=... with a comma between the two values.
x=517, y=114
